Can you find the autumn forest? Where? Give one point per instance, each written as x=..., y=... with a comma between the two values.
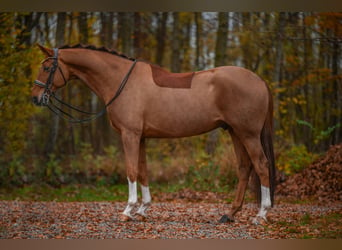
x=298, y=54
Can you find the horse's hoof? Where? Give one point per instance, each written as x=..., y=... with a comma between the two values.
x=125, y=218
x=140, y=217
x=225, y=218
x=258, y=220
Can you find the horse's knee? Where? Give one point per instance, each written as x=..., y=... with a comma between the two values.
x=132, y=175
x=142, y=179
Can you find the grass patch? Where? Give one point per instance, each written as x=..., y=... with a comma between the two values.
x=65, y=193
x=324, y=227
x=305, y=220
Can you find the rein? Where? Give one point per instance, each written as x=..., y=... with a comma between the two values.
x=63, y=114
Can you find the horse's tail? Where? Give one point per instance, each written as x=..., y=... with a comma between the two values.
x=266, y=138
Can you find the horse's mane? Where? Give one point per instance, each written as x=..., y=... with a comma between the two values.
x=92, y=47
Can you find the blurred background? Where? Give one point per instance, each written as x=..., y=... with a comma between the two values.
x=298, y=54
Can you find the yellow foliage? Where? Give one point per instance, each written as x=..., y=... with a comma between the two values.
x=15, y=104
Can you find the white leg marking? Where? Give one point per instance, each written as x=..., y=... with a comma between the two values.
x=265, y=204
x=132, y=198
x=146, y=196
x=146, y=200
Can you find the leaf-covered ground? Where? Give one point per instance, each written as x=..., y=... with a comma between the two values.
x=167, y=220
x=321, y=180
x=308, y=205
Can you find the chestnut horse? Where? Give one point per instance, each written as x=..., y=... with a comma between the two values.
x=150, y=102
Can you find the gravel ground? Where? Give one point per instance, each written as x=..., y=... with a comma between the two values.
x=167, y=220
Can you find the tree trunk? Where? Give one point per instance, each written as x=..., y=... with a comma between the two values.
x=85, y=95
x=60, y=30
x=29, y=21
x=187, y=65
x=102, y=130
x=199, y=43
x=50, y=144
x=337, y=96
x=83, y=27
x=176, y=61
x=138, y=36
x=125, y=24
x=277, y=77
x=307, y=135
x=141, y=38
x=161, y=37
x=221, y=40
x=107, y=28
x=220, y=60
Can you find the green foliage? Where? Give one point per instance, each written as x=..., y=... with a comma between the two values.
x=105, y=169
x=319, y=135
x=210, y=174
x=53, y=171
x=294, y=159
x=205, y=175
x=87, y=168
x=16, y=171
x=185, y=163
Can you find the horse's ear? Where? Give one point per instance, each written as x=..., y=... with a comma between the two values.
x=48, y=52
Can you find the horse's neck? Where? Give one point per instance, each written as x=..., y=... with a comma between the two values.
x=101, y=72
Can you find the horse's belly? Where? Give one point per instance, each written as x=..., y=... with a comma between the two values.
x=180, y=123
x=171, y=132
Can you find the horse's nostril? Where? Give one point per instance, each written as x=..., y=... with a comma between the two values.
x=35, y=100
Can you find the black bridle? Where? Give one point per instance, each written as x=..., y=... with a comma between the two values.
x=48, y=94
x=48, y=84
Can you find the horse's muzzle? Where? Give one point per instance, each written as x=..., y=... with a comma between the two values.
x=35, y=100
x=43, y=101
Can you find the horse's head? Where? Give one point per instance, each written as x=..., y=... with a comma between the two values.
x=52, y=75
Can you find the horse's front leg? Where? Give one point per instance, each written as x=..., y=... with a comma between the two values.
x=143, y=180
x=131, y=143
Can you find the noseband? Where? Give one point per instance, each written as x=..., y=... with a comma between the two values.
x=49, y=83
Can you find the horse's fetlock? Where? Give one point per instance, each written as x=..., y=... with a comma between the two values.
x=132, y=203
x=260, y=220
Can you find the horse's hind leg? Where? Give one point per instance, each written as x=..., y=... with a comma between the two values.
x=244, y=170
x=261, y=166
x=143, y=180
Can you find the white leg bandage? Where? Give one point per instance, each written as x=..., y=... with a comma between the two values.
x=265, y=203
x=132, y=198
x=146, y=200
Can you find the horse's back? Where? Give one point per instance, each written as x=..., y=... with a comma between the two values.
x=232, y=74
x=230, y=84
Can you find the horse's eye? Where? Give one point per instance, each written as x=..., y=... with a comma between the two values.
x=46, y=69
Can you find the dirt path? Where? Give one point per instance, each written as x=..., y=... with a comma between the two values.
x=168, y=220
